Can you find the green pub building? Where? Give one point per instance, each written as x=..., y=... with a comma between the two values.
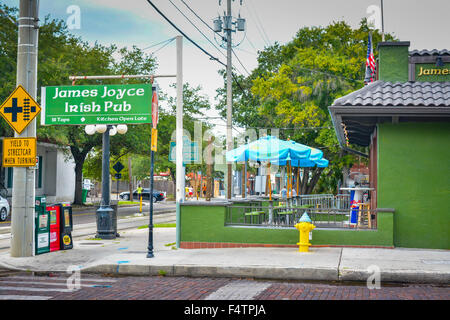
x=404, y=119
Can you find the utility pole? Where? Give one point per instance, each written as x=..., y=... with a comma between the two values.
x=229, y=99
x=180, y=169
x=23, y=192
x=239, y=24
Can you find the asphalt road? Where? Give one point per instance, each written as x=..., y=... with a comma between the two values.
x=85, y=220
x=88, y=215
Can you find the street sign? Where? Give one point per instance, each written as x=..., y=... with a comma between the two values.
x=190, y=151
x=154, y=142
x=155, y=109
x=118, y=176
x=118, y=166
x=96, y=104
x=19, y=109
x=19, y=152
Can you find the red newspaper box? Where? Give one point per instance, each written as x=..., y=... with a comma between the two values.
x=54, y=212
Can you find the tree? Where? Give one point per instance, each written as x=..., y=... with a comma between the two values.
x=195, y=104
x=60, y=55
x=295, y=83
x=137, y=143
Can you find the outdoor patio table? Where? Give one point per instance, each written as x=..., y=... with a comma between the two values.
x=253, y=214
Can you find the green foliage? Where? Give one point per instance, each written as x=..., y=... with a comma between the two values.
x=61, y=55
x=295, y=83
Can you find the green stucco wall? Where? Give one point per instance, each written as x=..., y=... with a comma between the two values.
x=393, y=65
x=414, y=179
x=207, y=224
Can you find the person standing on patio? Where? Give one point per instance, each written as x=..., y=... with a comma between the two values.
x=283, y=193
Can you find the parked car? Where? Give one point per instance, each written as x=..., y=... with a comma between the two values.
x=4, y=209
x=157, y=195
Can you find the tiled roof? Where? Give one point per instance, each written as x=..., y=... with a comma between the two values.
x=434, y=52
x=380, y=93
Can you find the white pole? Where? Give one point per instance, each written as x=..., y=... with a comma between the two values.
x=23, y=192
x=229, y=177
x=180, y=177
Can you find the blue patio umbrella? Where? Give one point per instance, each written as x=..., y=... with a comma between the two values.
x=270, y=149
x=304, y=163
x=320, y=163
x=316, y=154
x=309, y=162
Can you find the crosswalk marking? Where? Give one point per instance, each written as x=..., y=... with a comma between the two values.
x=239, y=290
x=36, y=285
x=46, y=283
x=16, y=297
x=60, y=279
x=35, y=289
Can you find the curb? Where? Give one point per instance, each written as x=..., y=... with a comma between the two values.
x=277, y=273
x=405, y=276
x=261, y=273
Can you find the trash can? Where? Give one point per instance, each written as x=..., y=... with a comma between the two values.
x=84, y=195
x=42, y=226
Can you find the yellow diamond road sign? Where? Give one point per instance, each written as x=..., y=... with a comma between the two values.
x=19, y=109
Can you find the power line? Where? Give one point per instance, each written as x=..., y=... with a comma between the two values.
x=156, y=44
x=197, y=28
x=251, y=43
x=179, y=30
x=192, y=41
x=257, y=26
x=210, y=29
x=167, y=43
x=205, y=23
x=246, y=51
x=239, y=60
x=262, y=26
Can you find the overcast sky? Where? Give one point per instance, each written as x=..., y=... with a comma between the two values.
x=134, y=22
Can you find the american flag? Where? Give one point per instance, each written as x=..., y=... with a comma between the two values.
x=370, y=63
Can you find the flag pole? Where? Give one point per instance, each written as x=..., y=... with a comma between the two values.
x=382, y=21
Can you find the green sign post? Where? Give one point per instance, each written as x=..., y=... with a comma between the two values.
x=96, y=104
x=190, y=151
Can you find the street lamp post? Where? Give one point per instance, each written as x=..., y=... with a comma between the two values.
x=105, y=219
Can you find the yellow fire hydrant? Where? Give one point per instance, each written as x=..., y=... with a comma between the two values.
x=304, y=226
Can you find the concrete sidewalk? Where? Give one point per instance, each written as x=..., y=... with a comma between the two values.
x=127, y=255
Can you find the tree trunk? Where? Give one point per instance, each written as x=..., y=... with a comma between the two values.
x=174, y=179
x=304, y=181
x=316, y=175
x=79, y=157
x=78, y=182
